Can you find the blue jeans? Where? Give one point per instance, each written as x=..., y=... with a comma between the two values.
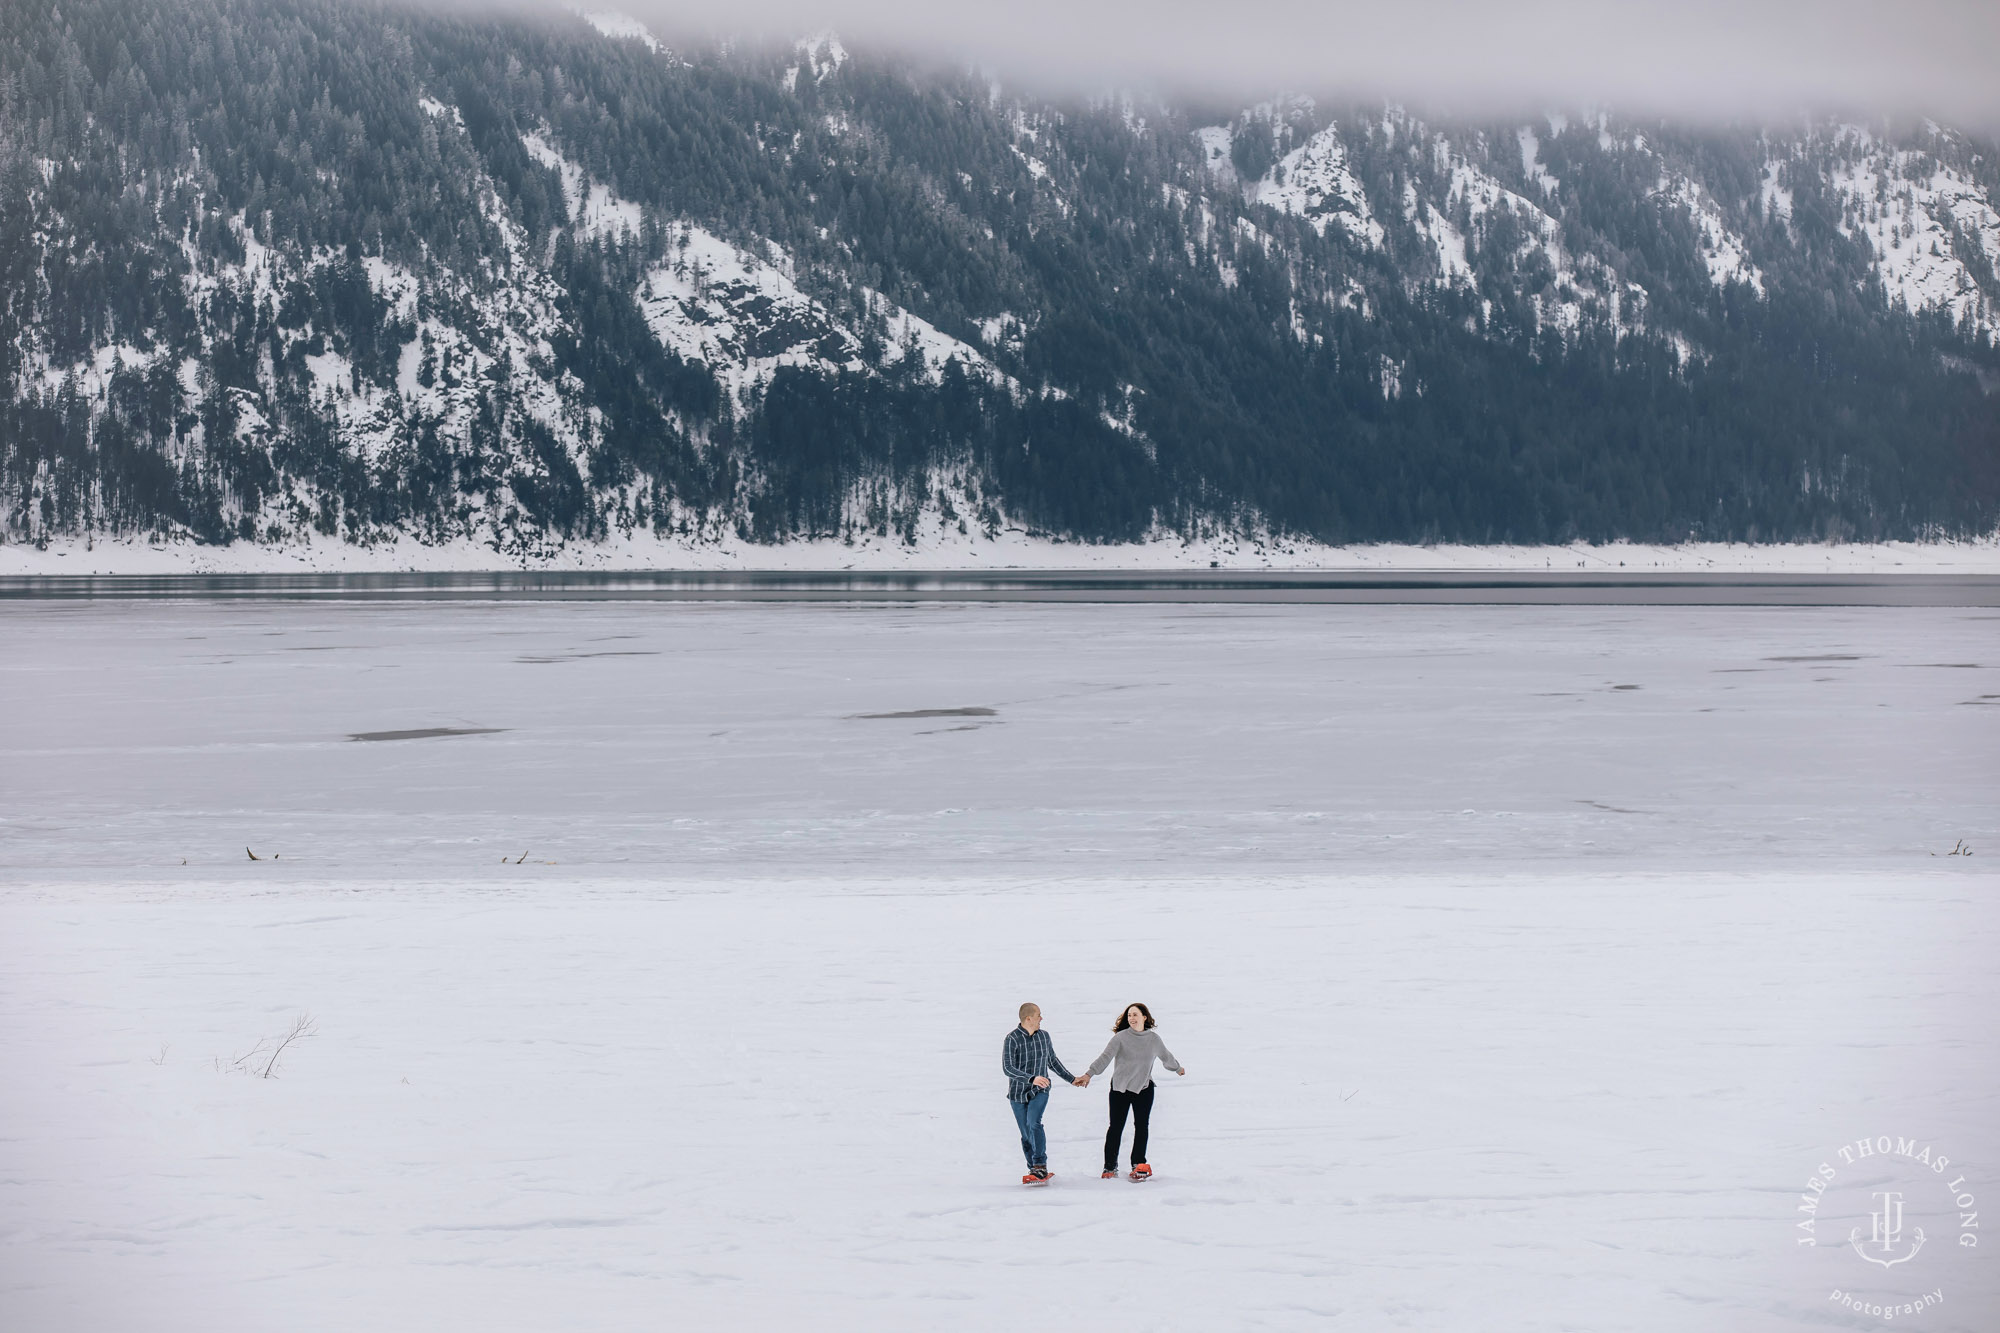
x=1028, y=1115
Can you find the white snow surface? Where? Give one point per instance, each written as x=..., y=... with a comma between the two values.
x=1725, y=253
x=1531, y=162
x=1907, y=205
x=1216, y=142
x=742, y=315
x=940, y=546
x=1480, y=195
x=739, y=314
x=621, y=27
x=912, y=335
x=1036, y=167
x=1584, y=290
x=605, y=214
x=1773, y=198
x=1313, y=181
x=1511, y=998
x=592, y=205
x=547, y=1107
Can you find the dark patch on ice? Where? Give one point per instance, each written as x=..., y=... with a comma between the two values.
x=931, y=712
x=422, y=733
x=608, y=652
x=1624, y=687
x=1614, y=809
x=1949, y=666
x=1731, y=671
x=1819, y=657
x=1983, y=701
x=939, y=731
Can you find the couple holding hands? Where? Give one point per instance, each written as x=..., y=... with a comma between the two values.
x=1027, y=1057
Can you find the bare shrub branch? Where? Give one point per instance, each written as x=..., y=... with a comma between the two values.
x=268, y=1049
x=302, y=1027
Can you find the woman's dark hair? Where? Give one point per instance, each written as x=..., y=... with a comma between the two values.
x=1121, y=1024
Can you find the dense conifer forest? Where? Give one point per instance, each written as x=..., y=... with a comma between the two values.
x=276, y=269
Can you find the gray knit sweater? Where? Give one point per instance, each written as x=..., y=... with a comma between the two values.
x=1135, y=1052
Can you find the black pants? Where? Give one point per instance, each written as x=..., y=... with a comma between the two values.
x=1140, y=1104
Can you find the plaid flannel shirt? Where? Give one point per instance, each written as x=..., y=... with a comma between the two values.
x=1025, y=1057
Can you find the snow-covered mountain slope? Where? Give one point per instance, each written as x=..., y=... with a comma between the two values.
x=1314, y=182
x=530, y=283
x=722, y=307
x=1465, y=200
x=1931, y=227
x=717, y=305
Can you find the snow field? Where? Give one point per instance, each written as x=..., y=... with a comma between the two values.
x=1455, y=1102
x=1528, y=961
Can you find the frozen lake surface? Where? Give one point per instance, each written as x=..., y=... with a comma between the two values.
x=1527, y=960
x=673, y=739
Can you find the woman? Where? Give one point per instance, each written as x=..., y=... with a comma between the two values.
x=1134, y=1045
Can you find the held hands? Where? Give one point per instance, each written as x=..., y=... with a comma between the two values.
x=1040, y=1082
x=1082, y=1080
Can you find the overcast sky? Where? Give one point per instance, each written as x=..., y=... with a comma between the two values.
x=1698, y=57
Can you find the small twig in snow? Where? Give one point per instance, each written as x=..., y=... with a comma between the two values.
x=302, y=1027
x=239, y=1063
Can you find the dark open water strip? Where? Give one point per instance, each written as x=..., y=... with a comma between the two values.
x=1549, y=589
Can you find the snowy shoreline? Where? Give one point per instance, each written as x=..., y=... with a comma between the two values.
x=1010, y=550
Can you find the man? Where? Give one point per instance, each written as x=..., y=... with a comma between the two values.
x=1026, y=1058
